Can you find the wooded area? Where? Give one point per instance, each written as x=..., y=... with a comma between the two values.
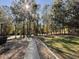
x=23, y=17
x=42, y=32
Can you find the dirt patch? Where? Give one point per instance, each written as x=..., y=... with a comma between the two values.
x=13, y=49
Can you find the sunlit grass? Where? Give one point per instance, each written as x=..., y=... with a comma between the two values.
x=67, y=47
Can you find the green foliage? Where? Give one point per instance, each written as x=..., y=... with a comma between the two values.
x=62, y=15
x=6, y=21
x=25, y=11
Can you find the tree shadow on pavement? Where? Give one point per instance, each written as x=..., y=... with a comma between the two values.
x=11, y=45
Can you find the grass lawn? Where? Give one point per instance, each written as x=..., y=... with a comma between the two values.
x=66, y=46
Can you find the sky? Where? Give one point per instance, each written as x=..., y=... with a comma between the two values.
x=5, y=2
x=42, y=2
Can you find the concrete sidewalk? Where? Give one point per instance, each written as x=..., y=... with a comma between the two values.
x=31, y=51
x=13, y=37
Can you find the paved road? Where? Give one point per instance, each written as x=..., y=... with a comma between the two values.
x=31, y=51
x=45, y=52
x=38, y=50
